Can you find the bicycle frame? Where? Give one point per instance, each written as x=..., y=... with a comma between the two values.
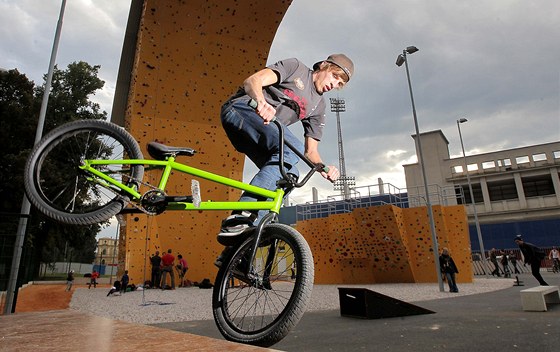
x=170, y=165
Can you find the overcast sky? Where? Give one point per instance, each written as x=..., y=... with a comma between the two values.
x=494, y=62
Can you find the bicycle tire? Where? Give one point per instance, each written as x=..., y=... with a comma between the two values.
x=56, y=185
x=251, y=312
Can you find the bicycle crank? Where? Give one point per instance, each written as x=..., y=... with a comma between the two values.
x=154, y=202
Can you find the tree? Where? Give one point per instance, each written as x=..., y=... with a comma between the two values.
x=20, y=102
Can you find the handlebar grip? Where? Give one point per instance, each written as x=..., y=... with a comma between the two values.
x=253, y=103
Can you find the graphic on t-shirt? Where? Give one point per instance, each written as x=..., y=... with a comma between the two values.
x=300, y=101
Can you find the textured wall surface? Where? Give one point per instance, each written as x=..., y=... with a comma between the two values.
x=386, y=244
x=190, y=56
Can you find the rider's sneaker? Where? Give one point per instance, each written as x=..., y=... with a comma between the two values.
x=235, y=225
x=240, y=270
x=220, y=260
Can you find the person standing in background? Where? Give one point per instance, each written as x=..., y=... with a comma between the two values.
x=505, y=264
x=555, y=256
x=448, y=269
x=167, y=268
x=124, y=281
x=69, y=280
x=513, y=260
x=93, y=279
x=494, y=260
x=155, y=261
x=182, y=268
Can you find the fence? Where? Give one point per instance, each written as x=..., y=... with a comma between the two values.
x=479, y=266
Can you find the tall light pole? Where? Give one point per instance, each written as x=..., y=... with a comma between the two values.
x=481, y=244
x=343, y=182
x=26, y=206
x=400, y=60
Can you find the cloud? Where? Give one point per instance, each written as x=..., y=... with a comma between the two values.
x=493, y=62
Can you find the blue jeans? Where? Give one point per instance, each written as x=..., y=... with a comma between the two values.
x=451, y=282
x=249, y=135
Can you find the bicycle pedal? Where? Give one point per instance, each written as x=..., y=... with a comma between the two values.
x=195, y=190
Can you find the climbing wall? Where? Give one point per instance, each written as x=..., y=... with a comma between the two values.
x=386, y=244
x=190, y=56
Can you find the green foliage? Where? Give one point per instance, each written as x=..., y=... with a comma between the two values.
x=20, y=102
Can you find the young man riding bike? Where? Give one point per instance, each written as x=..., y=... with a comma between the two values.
x=291, y=92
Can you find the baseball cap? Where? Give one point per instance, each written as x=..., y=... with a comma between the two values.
x=518, y=238
x=341, y=61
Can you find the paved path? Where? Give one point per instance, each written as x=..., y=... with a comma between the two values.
x=492, y=321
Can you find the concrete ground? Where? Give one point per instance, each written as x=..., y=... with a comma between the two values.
x=491, y=321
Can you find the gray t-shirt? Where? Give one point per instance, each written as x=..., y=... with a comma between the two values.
x=295, y=98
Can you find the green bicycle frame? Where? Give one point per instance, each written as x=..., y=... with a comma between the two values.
x=169, y=165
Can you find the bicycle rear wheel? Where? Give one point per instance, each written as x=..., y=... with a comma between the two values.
x=261, y=309
x=56, y=185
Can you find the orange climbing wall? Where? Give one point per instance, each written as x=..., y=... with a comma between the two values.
x=386, y=244
x=190, y=56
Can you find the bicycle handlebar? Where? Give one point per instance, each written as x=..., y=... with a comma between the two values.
x=289, y=182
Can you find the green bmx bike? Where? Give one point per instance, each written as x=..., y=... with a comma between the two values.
x=87, y=171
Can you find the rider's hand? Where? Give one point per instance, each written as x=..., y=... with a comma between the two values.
x=266, y=111
x=332, y=175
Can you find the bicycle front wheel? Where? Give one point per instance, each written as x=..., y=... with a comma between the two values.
x=56, y=185
x=262, y=307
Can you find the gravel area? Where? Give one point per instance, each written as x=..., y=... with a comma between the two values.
x=187, y=304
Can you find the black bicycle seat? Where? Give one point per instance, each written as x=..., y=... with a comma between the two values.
x=160, y=151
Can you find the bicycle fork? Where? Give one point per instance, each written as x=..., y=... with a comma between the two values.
x=251, y=274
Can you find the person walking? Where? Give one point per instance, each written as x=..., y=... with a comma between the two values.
x=167, y=261
x=291, y=92
x=513, y=260
x=155, y=261
x=69, y=280
x=505, y=264
x=532, y=255
x=93, y=279
x=448, y=269
x=494, y=260
x=555, y=256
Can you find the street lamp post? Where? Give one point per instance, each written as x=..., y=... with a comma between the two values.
x=481, y=244
x=400, y=60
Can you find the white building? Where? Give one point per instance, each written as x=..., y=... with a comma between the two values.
x=516, y=191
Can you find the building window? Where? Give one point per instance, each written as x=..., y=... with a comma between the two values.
x=477, y=192
x=522, y=159
x=539, y=157
x=489, y=165
x=502, y=190
x=537, y=186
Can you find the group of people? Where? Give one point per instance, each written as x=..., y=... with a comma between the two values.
x=505, y=259
x=165, y=265
x=532, y=255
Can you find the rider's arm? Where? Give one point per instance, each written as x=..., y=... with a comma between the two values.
x=312, y=152
x=253, y=86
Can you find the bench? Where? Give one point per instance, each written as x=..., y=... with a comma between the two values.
x=535, y=298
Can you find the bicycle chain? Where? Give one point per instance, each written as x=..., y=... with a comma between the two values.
x=131, y=203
